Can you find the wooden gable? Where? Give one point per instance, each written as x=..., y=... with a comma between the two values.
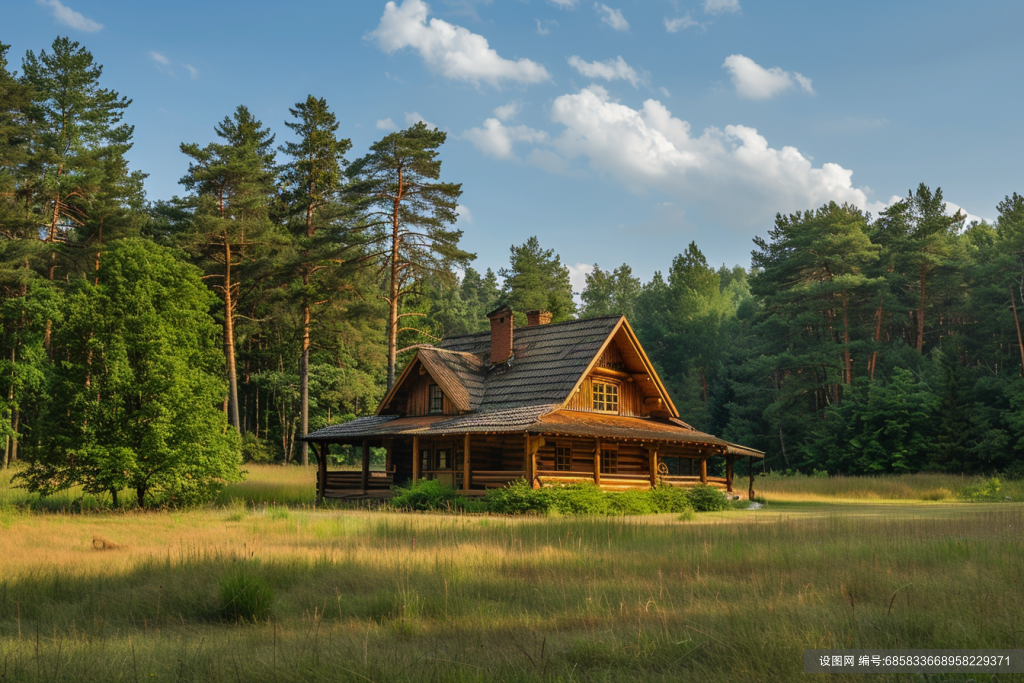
x=622, y=363
x=410, y=395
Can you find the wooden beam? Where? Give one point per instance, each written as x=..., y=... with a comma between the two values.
x=652, y=455
x=597, y=462
x=614, y=374
x=704, y=469
x=366, y=465
x=533, y=445
x=415, y=459
x=750, y=463
x=321, y=470
x=728, y=474
x=466, y=472
x=389, y=444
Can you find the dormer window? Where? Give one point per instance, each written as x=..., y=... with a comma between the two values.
x=606, y=397
x=436, y=399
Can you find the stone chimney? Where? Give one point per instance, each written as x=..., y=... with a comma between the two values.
x=538, y=317
x=501, y=334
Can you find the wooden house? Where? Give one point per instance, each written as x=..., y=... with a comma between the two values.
x=551, y=403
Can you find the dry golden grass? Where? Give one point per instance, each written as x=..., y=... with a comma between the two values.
x=899, y=487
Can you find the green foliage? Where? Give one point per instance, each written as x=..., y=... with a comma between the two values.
x=537, y=279
x=139, y=386
x=987, y=491
x=585, y=499
x=427, y=495
x=245, y=596
x=255, y=449
x=706, y=498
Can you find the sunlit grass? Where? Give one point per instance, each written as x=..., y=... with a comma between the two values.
x=923, y=487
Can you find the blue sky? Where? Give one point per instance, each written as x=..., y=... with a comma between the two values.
x=615, y=132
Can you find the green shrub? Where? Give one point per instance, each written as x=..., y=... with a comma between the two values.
x=516, y=499
x=670, y=499
x=986, y=491
x=255, y=449
x=706, y=498
x=245, y=596
x=632, y=503
x=579, y=499
x=427, y=494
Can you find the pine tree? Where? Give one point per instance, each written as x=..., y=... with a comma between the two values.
x=312, y=185
x=405, y=216
x=537, y=279
x=233, y=186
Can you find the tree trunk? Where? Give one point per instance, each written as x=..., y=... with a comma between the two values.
x=846, y=340
x=393, y=289
x=920, y=311
x=113, y=497
x=1016, y=320
x=878, y=338
x=229, y=339
x=140, y=494
x=304, y=384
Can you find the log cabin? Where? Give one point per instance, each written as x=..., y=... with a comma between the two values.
x=553, y=404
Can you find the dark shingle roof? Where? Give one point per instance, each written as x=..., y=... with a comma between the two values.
x=547, y=361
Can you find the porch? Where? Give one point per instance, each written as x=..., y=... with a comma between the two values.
x=475, y=463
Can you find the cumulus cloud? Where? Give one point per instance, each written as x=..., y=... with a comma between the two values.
x=755, y=82
x=464, y=213
x=69, y=17
x=676, y=24
x=731, y=173
x=414, y=117
x=386, y=124
x=578, y=276
x=544, y=28
x=610, y=70
x=612, y=17
x=496, y=139
x=452, y=51
x=507, y=111
x=721, y=6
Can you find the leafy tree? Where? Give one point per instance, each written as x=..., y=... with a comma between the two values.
x=610, y=292
x=139, y=386
x=233, y=186
x=405, y=217
x=537, y=279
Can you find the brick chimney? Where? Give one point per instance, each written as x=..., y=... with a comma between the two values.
x=501, y=334
x=538, y=317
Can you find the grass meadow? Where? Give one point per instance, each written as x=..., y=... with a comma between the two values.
x=364, y=595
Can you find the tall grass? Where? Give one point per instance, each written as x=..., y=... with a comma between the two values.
x=386, y=596
x=902, y=487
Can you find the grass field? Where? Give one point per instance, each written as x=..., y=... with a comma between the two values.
x=376, y=596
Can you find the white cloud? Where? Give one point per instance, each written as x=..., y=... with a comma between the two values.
x=69, y=17
x=565, y=4
x=464, y=213
x=544, y=29
x=159, y=58
x=677, y=24
x=451, y=50
x=951, y=210
x=578, y=276
x=507, y=111
x=664, y=91
x=755, y=82
x=721, y=6
x=610, y=70
x=413, y=117
x=730, y=173
x=612, y=17
x=386, y=124
x=496, y=139
x=193, y=72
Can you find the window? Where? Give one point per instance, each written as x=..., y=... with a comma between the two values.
x=609, y=461
x=424, y=459
x=563, y=458
x=436, y=399
x=443, y=459
x=606, y=397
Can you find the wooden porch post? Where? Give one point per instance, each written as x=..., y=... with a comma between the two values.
x=389, y=444
x=466, y=472
x=703, y=469
x=531, y=474
x=750, y=493
x=366, y=465
x=728, y=473
x=321, y=471
x=652, y=453
x=597, y=461
x=415, y=459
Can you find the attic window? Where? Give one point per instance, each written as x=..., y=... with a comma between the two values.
x=436, y=399
x=606, y=397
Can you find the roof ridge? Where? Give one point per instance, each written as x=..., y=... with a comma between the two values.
x=575, y=321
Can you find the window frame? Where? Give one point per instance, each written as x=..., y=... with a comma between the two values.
x=605, y=401
x=563, y=457
x=431, y=397
x=609, y=460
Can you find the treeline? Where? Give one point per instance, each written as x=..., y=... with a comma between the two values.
x=854, y=344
